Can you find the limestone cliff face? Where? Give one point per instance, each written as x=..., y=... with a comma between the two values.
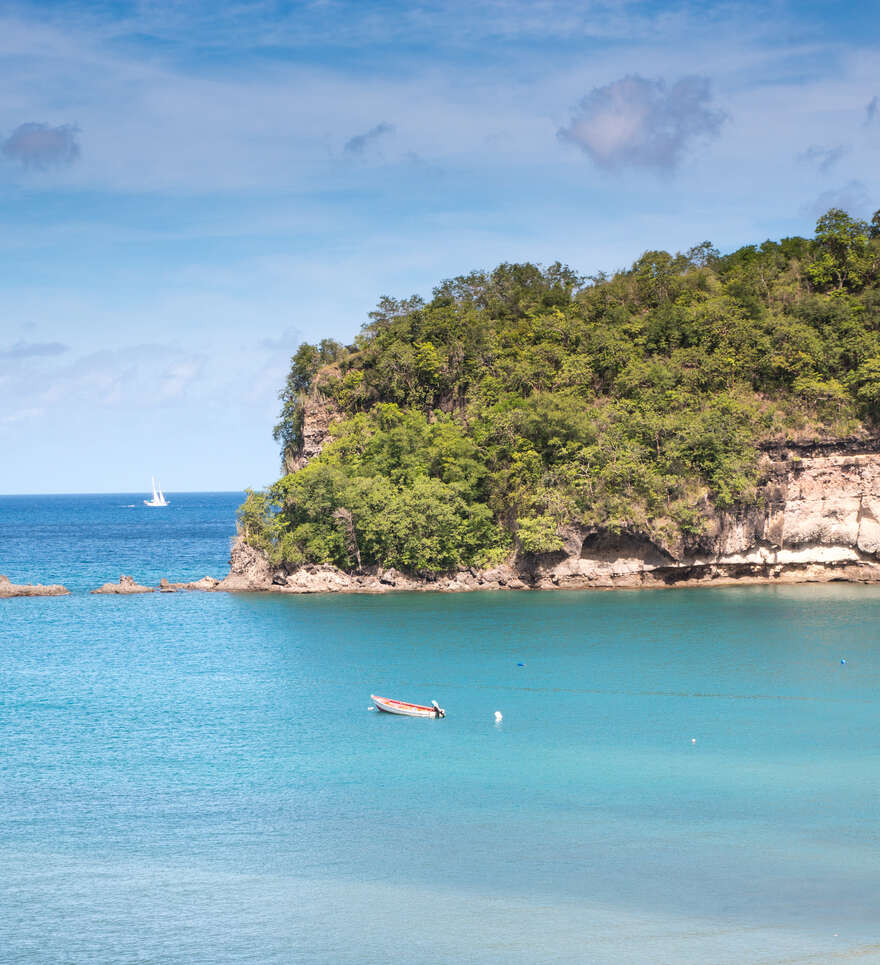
x=816, y=518
x=319, y=414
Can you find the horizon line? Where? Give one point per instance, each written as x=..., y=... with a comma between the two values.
x=122, y=492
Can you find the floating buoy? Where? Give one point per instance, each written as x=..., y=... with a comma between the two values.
x=842, y=660
x=498, y=717
x=693, y=740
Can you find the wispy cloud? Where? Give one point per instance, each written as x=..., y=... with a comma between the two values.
x=25, y=350
x=636, y=122
x=137, y=376
x=287, y=341
x=853, y=197
x=823, y=157
x=178, y=377
x=872, y=109
x=40, y=146
x=358, y=144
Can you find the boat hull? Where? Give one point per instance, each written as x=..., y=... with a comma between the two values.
x=403, y=709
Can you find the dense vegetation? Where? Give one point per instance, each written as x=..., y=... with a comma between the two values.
x=517, y=402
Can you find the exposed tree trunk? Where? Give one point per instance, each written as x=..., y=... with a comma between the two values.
x=345, y=517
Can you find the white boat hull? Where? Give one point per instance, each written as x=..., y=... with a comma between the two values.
x=403, y=709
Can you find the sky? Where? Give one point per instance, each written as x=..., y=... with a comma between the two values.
x=189, y=190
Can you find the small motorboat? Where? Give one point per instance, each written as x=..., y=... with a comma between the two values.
x=407, y=710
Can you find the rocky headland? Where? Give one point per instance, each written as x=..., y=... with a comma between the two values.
x=10, y=589
x=698, y=418
x=816, y=518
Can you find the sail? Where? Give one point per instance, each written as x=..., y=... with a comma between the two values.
x=158, y=496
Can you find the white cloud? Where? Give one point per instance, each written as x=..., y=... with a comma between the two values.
x=643, y=123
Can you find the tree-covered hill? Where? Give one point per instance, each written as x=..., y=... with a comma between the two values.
x=518, y=402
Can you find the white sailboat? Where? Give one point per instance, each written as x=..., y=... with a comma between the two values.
x=158, y=497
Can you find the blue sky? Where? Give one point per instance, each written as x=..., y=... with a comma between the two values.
x=187, y=191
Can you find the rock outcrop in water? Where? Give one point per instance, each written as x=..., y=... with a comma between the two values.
x=125, y=587
x=816, y=518
x=10, y=589
x=206, y=583
x=128, y=586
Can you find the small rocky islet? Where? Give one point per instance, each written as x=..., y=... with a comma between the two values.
x=9, y=589
x=128, y=586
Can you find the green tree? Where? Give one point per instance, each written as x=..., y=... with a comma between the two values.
x=865, y=384
x=843, y=255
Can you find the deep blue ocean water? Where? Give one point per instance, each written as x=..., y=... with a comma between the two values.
x=683, y=776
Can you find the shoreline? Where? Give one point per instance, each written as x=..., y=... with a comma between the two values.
x=815, y=518
x=340, y=583
x=866, y=574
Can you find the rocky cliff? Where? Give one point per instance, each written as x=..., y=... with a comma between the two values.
x=319, y=414
x=816, y=518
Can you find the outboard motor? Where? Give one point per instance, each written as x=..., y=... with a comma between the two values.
x=438, y=710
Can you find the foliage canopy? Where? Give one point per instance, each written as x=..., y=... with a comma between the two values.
x=518, y=402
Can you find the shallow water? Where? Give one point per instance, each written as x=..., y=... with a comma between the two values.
x=682, y=776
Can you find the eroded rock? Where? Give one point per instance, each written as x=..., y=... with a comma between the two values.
x=205, y=584
x=248, y=569
x=125, y=587
x=9, y=589
x=319, y=414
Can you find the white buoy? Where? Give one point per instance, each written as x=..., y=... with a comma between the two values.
x=498, y=717
x=693, y=740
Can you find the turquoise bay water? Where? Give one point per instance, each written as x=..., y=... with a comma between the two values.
x=197, y=777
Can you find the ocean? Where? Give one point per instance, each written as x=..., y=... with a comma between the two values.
x=684, y=776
